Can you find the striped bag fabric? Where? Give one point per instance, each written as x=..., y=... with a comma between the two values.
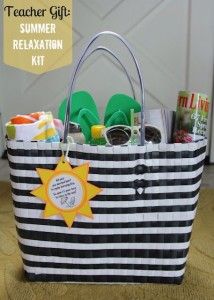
x=142, y=220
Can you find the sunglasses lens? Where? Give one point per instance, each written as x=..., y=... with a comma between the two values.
x=152, y=135
x=118, y=135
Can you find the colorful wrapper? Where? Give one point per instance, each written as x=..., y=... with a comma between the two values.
x=42, y=130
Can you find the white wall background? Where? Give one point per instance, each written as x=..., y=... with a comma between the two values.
x=173, y=39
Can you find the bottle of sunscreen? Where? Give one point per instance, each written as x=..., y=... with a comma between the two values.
x=97, y=136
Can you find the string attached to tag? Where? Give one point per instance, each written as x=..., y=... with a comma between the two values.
x=65, y=153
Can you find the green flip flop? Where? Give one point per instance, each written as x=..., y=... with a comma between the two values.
x=121, y=102
x=80, y=100
x=87, y=119
x=118, y=118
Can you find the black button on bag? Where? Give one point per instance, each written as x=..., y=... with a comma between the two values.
x=140, y=183
x=140, y=169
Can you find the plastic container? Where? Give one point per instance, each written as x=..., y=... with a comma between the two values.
x=97, y=136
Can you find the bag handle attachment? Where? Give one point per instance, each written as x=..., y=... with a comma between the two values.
x=78, y=66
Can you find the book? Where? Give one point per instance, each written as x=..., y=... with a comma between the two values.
x=162, y=119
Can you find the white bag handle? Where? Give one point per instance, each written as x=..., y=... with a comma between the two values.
x=75, y=72
x=102, y=48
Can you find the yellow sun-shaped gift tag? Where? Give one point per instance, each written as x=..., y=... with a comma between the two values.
x=66, y=191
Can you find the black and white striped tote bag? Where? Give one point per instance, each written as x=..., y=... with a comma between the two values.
x=142, y=218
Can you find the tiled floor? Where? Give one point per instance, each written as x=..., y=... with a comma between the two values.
x=208, y=175
x=4, y=170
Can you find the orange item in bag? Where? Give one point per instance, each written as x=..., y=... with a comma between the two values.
x=26, y=119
